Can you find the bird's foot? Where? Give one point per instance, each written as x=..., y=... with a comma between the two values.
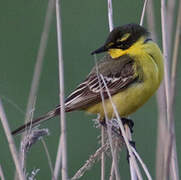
x=128, y=122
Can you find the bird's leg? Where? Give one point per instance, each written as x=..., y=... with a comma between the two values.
x=102, y=121
x=133, y=144
x=129, y=122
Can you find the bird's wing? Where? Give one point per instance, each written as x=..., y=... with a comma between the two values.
x=117, y=74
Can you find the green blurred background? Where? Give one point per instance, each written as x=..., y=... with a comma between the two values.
x=85, y=27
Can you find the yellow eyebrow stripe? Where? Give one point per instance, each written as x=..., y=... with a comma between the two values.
x=125, y=36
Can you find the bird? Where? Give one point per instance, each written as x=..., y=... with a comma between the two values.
x=132, y=69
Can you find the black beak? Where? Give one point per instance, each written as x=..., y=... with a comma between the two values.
x=99, y=50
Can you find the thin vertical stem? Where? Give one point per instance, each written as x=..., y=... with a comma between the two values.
x=143, y=12
x=39, y=59
x=132, y=158
x=175, y=169
x=110, y=15
x=175, y=53
x=1, y=174
x=48, y=157
x=39, y=64
x=161, y=102
x=103, y=154
x=61, y=80
x=108, y=126
x=58, y=163
x=11, y=144
x=171, y=150
x=132, y=170
x=170, y=24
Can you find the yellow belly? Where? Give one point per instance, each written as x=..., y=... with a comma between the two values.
x=126, y=102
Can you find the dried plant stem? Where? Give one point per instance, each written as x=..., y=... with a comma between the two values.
x=142, y=164
x=103, y=154
x=171, y=146
x=48, y=157
x=39, y=64
x=132, y=170
x=161, y=134
x=63, y=144
x=132, y=158
x=170, y=24
x=111, y=177
x=11, y=143
x=110, y=15
x=108, y=127
x=90, y=162
x=115, y=163
x=58, y=163
x=1, y=174
x=175, y=53
x=116, y=150
x=39, y=59
x=174, y=169
x=143, y=12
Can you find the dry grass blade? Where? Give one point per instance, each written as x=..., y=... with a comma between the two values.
x=142, y=164
x=143, y=12
x=132, y=158
x=39, y=64
x=11, y=143
x=161, y=102
x=58, y=163
x=108, y=127
x=90, y=162
x=103, y=154
x=175, y=53
x=171, y=145
x=63, y=144
x=171, y=7
x=1, y=174
x=48, y=157
x=39, y=59
x=110, y=15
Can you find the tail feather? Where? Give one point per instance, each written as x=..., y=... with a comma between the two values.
x=37, y=121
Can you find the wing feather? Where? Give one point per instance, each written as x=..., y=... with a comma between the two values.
x=89, y=92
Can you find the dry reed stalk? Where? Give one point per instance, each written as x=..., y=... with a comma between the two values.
x=1, y=174
x=48, y=157
x=175, y=169
x=170, y=148
x=132, y=158
x=38, y=66
x=108, y=127
x=90, y=162
x=115, y=163
x=175, y=54
x=110, y=15
x=11, y=144
x=143, y=12
x=39, y=59
x=161, y=103
x=103, y=159
x=170, y=24
x=63, y=144
x=58, y=162
x=132, y=170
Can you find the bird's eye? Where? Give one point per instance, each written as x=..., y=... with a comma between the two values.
x=124, y=37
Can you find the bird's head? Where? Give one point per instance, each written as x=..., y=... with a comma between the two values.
x=121, y=39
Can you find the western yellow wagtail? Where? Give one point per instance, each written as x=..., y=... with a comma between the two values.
x=132, y=69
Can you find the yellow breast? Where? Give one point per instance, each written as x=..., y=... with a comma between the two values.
x=127, y=101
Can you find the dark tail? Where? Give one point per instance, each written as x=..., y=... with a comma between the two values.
x=37, y=121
